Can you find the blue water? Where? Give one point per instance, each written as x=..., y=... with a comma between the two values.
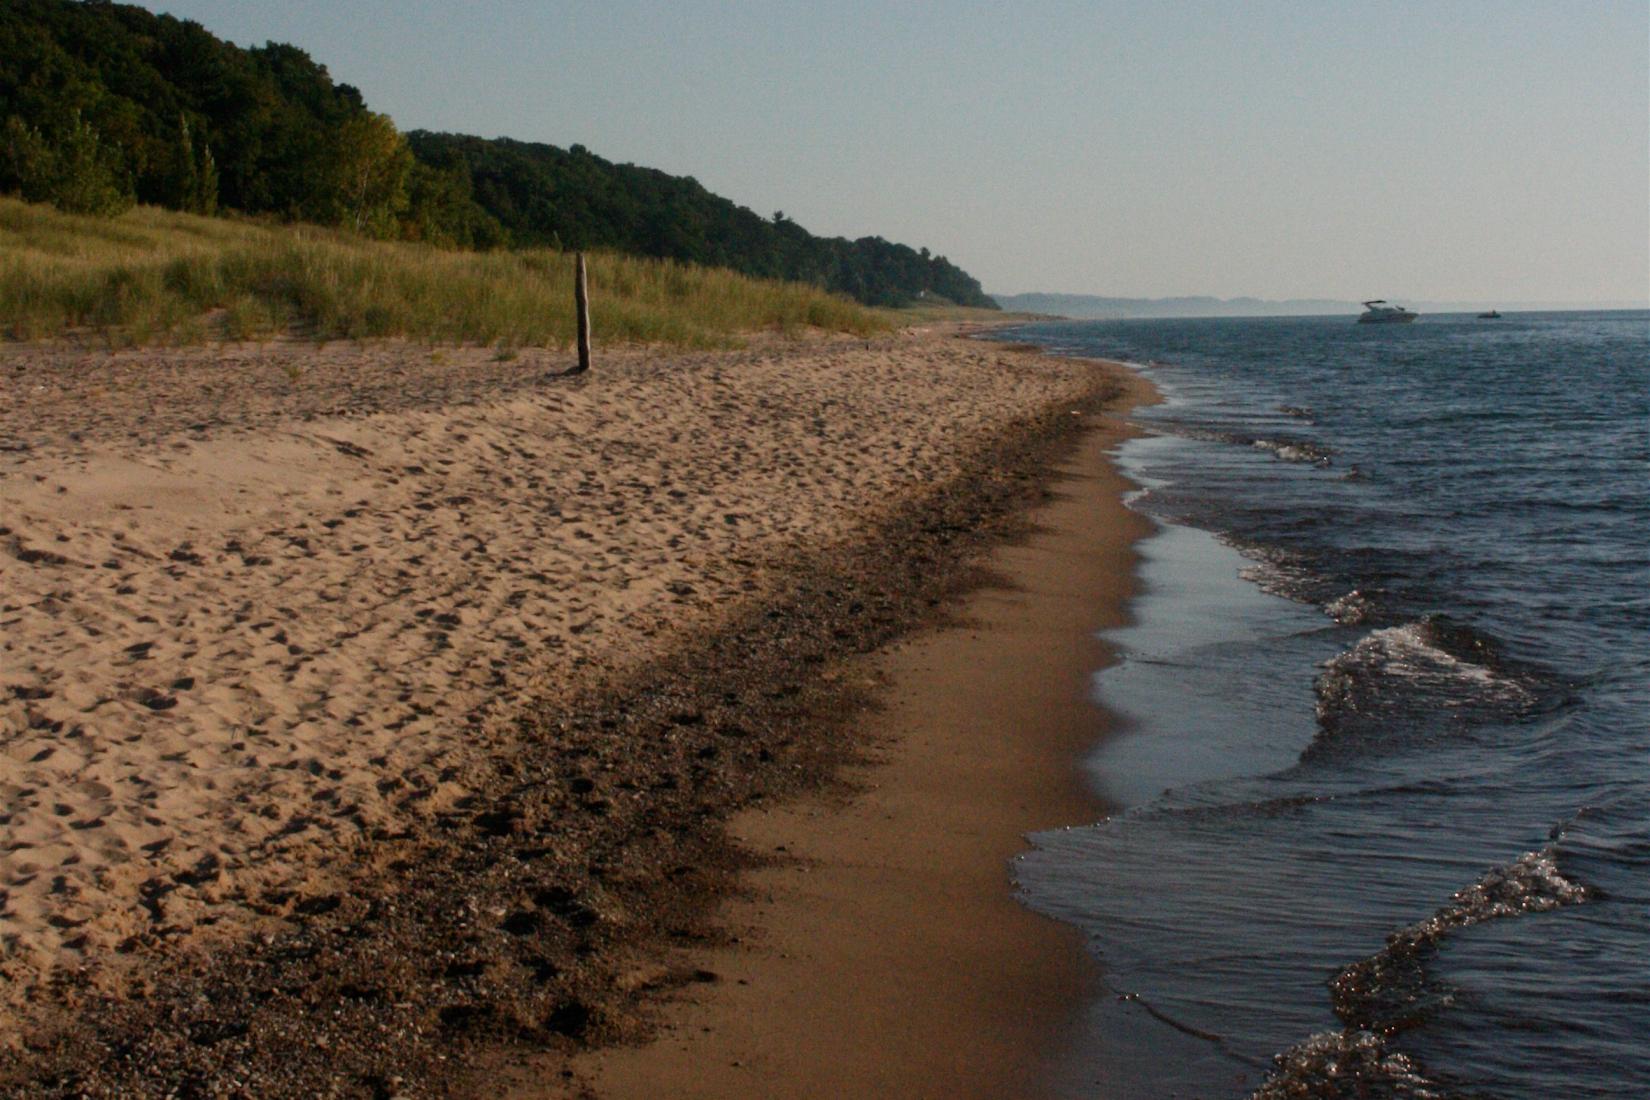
x=1383, y=790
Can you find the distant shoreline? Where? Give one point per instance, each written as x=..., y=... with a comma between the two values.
x=1084, y=307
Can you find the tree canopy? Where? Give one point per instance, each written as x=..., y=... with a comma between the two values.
x=571, y=198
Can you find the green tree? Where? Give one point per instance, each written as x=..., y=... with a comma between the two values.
x=369, y=166
x=27, y=162
x=192, y=179
x=441, y=209
x=73, y=169
x=91, y=176
x=205, y=198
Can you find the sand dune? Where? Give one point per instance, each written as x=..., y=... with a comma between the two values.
x=261, y=605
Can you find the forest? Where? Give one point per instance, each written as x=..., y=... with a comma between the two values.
x=105, y=105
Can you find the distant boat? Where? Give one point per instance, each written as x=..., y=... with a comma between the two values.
x=1379, y=313
x=1492, y=315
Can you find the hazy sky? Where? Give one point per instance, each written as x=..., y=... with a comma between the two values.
x=1446, y=149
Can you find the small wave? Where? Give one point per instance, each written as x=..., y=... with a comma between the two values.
x=1184, y=430
x=1433, y=652
x=1389, y=992
x=1299, y=412
x=1299, y=577
x=1397, y=685
x=1283, y=577
x=1296, y=450
x=1347, y=1065
x=1281, y=572
x=1288, y=448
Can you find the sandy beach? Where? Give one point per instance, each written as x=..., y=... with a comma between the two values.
x=301, y=643
x=881, y=951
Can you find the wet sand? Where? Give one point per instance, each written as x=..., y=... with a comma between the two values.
x=881, y=952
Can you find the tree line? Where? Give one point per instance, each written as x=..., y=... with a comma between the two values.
x=104, y=105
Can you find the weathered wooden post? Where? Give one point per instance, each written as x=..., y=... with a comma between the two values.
x=581, y=304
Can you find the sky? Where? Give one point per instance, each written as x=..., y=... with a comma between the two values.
x=1440, y=150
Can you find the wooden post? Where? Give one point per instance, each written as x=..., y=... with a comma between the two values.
x=581, y=303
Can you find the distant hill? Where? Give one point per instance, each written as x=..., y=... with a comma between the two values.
x=1090, y=307
x=572, y=198
x=103, y=105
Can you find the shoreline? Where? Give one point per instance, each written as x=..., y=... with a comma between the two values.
x=521, y=907
x=880, y=950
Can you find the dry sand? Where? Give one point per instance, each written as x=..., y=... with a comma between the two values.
x=266, y=605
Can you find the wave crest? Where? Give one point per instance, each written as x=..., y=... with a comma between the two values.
x=1409, y=684
x=1389, y=991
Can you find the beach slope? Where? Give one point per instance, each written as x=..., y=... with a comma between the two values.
x=881, y=951
x=372, y=706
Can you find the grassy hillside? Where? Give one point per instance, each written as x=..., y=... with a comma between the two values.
x=153, y=275
x=105, y=104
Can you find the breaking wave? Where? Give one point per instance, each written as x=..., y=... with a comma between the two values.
x=1389, y=992
x=1297, y=450
x=1347, y=1065
x=1289, y=448
x=1412, y=684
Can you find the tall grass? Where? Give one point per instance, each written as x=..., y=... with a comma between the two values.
x=153, y=276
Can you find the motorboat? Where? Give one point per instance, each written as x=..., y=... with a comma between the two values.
x=1378, y=312
x=1492, y=315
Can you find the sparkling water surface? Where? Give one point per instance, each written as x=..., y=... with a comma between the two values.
x=1383, y=791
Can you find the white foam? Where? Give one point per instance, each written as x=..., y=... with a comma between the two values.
x=1296, y=450
x=1350, y=609
x=1327, y=1063
x=1405, y=652
x=1532, y=883
x=1275, y=572
x=1343, y=1063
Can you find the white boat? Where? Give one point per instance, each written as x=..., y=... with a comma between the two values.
x=1378, y=312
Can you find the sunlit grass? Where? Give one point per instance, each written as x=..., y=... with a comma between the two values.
x=155, y=276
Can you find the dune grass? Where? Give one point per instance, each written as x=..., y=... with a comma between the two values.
x=156, y=276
